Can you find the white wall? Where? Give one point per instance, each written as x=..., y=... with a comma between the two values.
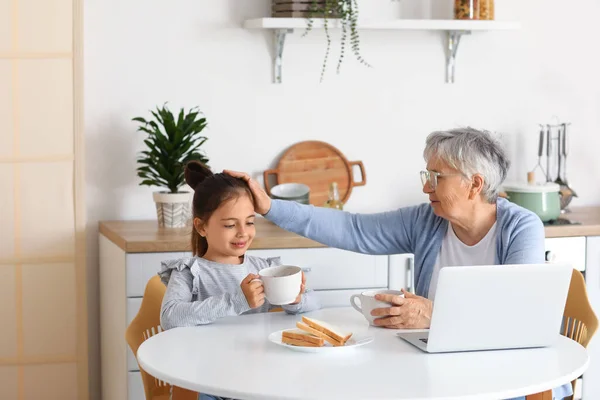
x=141, y=53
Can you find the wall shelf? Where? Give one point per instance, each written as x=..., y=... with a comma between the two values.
x=454, y=30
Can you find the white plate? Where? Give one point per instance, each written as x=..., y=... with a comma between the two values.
x=352, y=343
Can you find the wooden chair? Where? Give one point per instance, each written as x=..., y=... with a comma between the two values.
x=146, y=324
x=579, y=322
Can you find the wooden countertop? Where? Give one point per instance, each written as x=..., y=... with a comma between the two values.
x=590, y=223
x=147, y=237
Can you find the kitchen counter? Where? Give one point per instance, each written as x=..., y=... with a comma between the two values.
x=589, y=217
x=147, y=237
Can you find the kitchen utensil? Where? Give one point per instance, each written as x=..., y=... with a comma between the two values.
x=540, y=154
x=542, y=199
x=316, y=164
x=548, y=150
x=560, y=144
x=565, y=149
x=566, y=193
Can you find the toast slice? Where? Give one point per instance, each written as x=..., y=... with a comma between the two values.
x=298, y=334
x=331, y=331
x=296, y=342
x=329, y=339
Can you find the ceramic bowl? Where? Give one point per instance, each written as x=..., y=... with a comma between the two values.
x=291, y=191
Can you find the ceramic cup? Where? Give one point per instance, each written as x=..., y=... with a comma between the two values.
x=367, y=302
x=281, y=283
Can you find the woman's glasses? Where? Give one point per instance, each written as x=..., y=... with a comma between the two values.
x=431, y=177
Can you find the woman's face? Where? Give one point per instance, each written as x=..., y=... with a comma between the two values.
x=450, y=198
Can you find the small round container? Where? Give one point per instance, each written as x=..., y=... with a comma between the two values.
x=486, y=9
x=466, y=9
x=291, y=191
x=542, y=199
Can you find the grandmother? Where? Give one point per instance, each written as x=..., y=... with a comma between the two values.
x=464, y=222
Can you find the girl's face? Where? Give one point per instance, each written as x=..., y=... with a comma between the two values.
x=229, y=231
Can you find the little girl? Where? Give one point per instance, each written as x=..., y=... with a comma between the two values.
x=218, y=281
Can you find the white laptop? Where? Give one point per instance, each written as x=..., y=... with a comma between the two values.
x=495, y=307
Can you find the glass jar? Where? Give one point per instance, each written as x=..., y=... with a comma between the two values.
x=486, y=9
x=334, y=197
x=466, y=9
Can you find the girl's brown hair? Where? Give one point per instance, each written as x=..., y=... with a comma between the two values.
x=210, y=191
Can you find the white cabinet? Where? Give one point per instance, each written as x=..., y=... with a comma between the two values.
x=135, y=388
x=402, y=272
x=142, y=266
x=576, y=251
x=570, y=250
x=327, y=268
x=591, y=383
x=583, y=253
x=333, y=274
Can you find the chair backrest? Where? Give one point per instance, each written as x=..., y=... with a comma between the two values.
x=146, y=324
x=579, y=320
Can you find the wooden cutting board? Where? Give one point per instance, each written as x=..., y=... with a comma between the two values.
x=316, y=164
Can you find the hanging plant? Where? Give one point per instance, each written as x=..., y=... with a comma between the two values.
x=346, y=12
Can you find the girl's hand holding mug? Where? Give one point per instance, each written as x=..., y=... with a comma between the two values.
x=254, y=291
x=302, y=290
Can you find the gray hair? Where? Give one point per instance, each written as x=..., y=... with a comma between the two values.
x=471, y=152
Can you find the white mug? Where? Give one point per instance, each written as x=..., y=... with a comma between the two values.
x=282, y=283
x=368, y=302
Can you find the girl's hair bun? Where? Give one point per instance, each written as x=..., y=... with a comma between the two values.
x=196, y=172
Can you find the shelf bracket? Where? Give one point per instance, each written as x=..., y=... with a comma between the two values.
x=279, y=42
x=453, y=42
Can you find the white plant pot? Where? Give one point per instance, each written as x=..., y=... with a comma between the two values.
x=173, y=209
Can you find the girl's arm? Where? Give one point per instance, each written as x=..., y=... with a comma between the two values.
x=178, y=309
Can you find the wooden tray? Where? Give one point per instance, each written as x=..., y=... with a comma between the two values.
x=316, y=164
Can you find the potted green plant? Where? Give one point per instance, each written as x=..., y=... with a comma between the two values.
x=344, y=11
x=170, y=144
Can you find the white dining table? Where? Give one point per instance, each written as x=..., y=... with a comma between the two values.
x=234, y=358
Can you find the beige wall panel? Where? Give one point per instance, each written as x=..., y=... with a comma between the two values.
x=50, y=382
x=49, y=303
x=46, y=104
x=8, y=316
x=8, y=383
x=6, y=26
x=6, y=100
x=45, y=26
x=7, y=212
x=47, y=216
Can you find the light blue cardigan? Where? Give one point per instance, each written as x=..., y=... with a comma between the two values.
x=416, y=230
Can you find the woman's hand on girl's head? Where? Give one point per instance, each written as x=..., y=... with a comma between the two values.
x=262, y=201
x=253, y=290
x=408, y=312
x=302, y=290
